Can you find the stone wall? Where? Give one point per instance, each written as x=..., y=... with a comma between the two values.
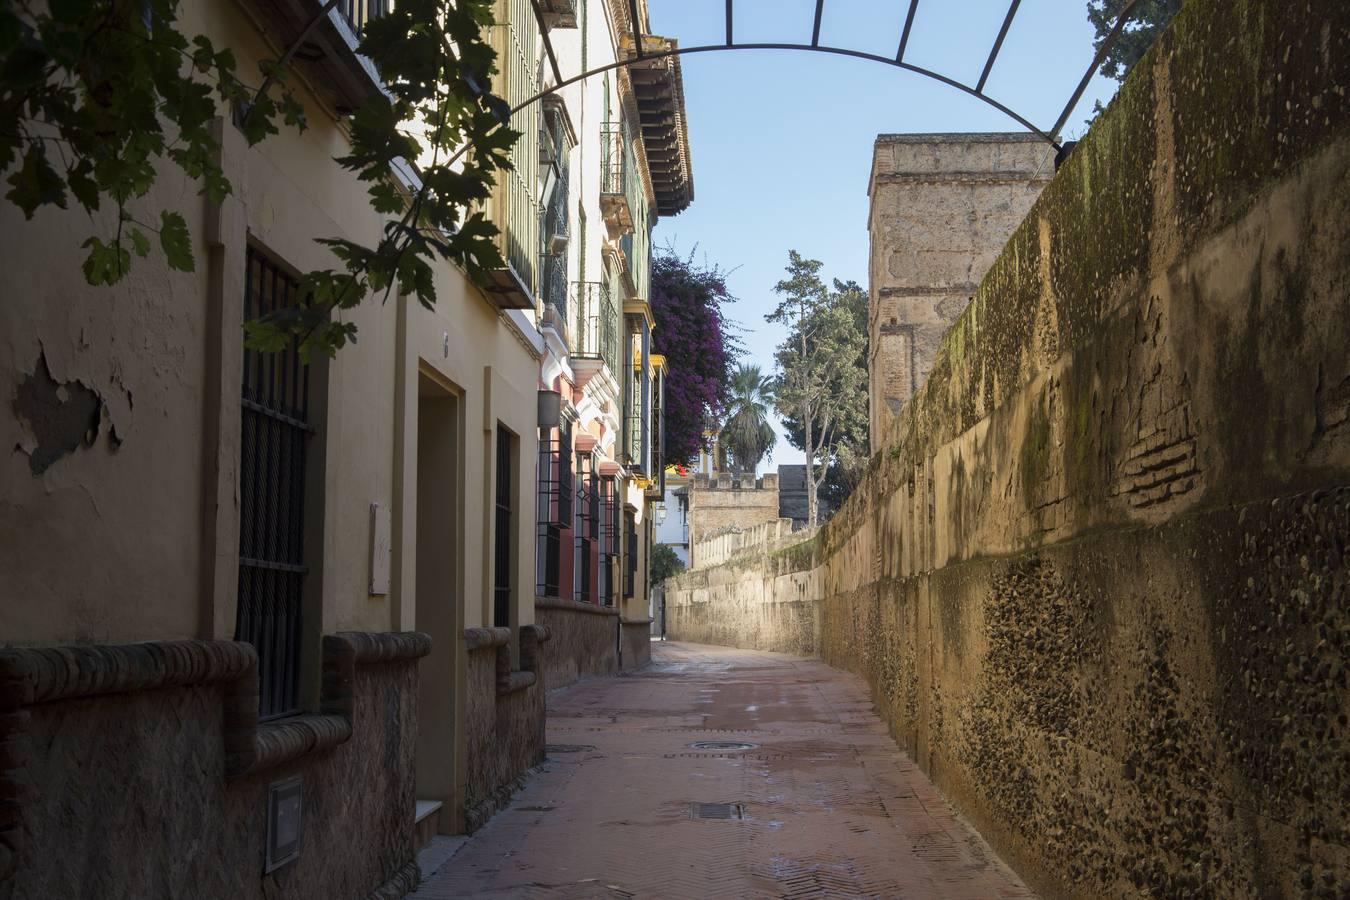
x=584, y=640
x=720, y=546
x=141, y=771
x=1097, y=576
x=635, y=636
x=942, y=207
x=722, y=501
x=764, y=600
x=504, y=720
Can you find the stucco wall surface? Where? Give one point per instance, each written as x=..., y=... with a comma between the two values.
x=1099, y=574
x=584, y=641
x=130, y=799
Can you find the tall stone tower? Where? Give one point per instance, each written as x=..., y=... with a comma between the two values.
x=943, y=205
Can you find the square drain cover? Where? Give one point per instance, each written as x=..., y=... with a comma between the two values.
x=717, y=810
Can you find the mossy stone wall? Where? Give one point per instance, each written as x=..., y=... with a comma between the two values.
x=1099, y=575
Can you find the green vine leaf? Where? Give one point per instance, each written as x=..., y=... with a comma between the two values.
x=36, y=183
x=175, y=241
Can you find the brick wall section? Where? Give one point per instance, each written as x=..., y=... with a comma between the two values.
x=1097, y=576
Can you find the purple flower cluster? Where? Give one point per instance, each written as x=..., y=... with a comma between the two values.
x=687, y=303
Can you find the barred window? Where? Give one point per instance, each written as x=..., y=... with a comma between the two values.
x=275, y=431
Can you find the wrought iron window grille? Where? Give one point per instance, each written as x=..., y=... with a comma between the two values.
x=275, y=431
x=588, y=528
x=502, y=522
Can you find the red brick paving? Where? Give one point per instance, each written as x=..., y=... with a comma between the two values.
x=832, y=807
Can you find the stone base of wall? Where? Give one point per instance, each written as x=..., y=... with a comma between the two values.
x=764, y=601
x=129, y=778
x=504, y=720
x=584, y=640
x=635, y=643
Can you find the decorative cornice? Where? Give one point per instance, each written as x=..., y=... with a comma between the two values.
x=45, y=674
x=1025, y=177
x=965, y=290
x=566, y=605
x=486, y=638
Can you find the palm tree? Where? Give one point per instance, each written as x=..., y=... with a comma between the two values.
x=747, y=433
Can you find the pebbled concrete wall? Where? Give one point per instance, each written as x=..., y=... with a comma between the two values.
x=128, y=799
x=505, y=735
x=584, y=640
x=1098, y=575
x=635, y=637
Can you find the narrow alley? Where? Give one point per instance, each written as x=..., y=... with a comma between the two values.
x=719, y=772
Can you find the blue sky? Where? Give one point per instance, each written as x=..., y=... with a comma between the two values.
x=782, y=140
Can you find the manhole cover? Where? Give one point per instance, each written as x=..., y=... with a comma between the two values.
x=723, y=745
x=717, y=811
x=568, y=748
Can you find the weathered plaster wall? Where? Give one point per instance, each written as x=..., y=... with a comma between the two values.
x=144, y=493
x=942, y=207
x=1099, y=574
x=584, y=641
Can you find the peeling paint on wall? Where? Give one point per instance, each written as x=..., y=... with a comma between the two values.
x=59, y=416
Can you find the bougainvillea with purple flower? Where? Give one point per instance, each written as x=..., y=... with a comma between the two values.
x=691, y=333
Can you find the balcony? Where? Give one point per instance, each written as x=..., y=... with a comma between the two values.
x=616, y=170
x=559, y=13
x=359, y=12
x=328, y=55
x=596, y=335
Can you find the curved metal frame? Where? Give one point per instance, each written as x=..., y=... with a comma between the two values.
x=816, y=47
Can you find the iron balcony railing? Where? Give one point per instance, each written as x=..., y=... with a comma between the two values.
x=553, y=285
x=359, y=12
x=614, y=160
x=597, y=323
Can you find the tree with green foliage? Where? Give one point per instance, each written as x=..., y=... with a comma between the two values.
x=819, y=383
x=1147, y=21
x=665, y=564
x=97, y=95
x=747, y=432
x=845, y=469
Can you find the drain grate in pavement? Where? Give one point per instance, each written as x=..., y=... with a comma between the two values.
x=723, y=745
x=717, y=810
x=568, y=748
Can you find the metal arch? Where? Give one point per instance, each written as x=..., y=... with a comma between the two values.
x=839, y=51
x=641, y=55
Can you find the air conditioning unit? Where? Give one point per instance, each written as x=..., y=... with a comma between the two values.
x=557, y=242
